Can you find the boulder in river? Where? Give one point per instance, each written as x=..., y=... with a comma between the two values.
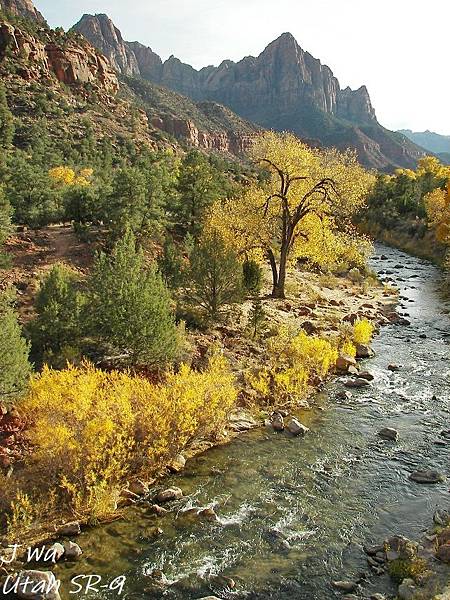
x=177, y=464
x=158, y=510
x=277, y=422
x=442, y=517
x=138, y=487
x=427, y=476
x=345, y=586
x=389, y=434
x=359, y=382
x=72, y=551
x=393, y=368
x=366, y=375
x=407, y=589
x=170, y=494
x=296, y=428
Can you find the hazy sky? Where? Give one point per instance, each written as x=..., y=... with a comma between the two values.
x=400, y=49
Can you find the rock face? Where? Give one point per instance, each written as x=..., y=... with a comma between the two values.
x=23, y=8
x=71, y=64
x=284, y=88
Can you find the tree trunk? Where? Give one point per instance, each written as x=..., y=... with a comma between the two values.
x=279, y=287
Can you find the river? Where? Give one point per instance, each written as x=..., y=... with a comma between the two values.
x=293, y=513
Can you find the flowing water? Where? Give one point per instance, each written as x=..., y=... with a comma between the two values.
x=293, y=512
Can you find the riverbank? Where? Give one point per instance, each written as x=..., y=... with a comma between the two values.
x=316, y=304
x=292, y=514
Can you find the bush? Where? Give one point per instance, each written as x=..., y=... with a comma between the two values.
x=252, y=274
x=130, y=308
x=294, y=364
x=362, y=332
x=58, y=321
x=14, y=366
x=91, y=429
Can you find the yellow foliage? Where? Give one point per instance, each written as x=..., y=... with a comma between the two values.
x=362, y=332
x=437, y=204
x=303, y=210
x=91, y=429
x=68, y=177
x=348, y=348
x=294, y=362
x=20, y=516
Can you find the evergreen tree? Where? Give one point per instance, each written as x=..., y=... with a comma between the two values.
x=5, y=227
x=58, y=320
x=171, y=264
x=257, y=316
x=130, y=306
x=6, y=122
x=198, y=187
x=252, y=273
x=15, y=368
x=216, y=276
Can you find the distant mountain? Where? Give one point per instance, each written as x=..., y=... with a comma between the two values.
x=284, y=88
x=22, y=8
x=434, y=142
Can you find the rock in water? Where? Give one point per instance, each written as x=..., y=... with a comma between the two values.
x=345, y=586
x=72, y=551
x=427, y=476
x=297, y=428
x=169, y=495
x=389, y=434
x=277, y=422
x=357, y=383
x=363, y=351
x=178, y=463
x=344, y=362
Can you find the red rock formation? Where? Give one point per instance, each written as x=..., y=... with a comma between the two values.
x=23, y=8
x=221, y=141
x=71, y=64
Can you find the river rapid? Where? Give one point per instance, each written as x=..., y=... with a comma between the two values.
x=293, y=513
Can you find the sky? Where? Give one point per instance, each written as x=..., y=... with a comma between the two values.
x=399, y=49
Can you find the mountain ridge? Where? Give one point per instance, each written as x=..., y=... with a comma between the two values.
x=283, y=88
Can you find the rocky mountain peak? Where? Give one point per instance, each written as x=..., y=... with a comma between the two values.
x=22, y=8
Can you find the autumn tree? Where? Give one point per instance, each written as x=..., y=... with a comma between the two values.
x=437, y=204
x=309, y=196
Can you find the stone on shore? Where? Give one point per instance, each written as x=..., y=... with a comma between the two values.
x=364, y=351
x=344, y=362
x=407, y=589
x=177, y=464
x=277, y=422
x=70, y=529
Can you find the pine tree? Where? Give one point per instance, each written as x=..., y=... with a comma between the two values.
x=6, y=122
x=252, y=276
x=257, y=316
x=58, y=321
x=216, y=276
x=5, y=227
x=15, y=368
x=130, y=306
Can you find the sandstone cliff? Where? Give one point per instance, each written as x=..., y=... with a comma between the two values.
x=72, y=63
x=22, y=8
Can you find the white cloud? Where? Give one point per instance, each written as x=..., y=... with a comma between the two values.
x=398, y=48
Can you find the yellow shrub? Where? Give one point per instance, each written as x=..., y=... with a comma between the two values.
x=362, y=332
x=348, y=348
x=294, y=363
x=91, y=429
